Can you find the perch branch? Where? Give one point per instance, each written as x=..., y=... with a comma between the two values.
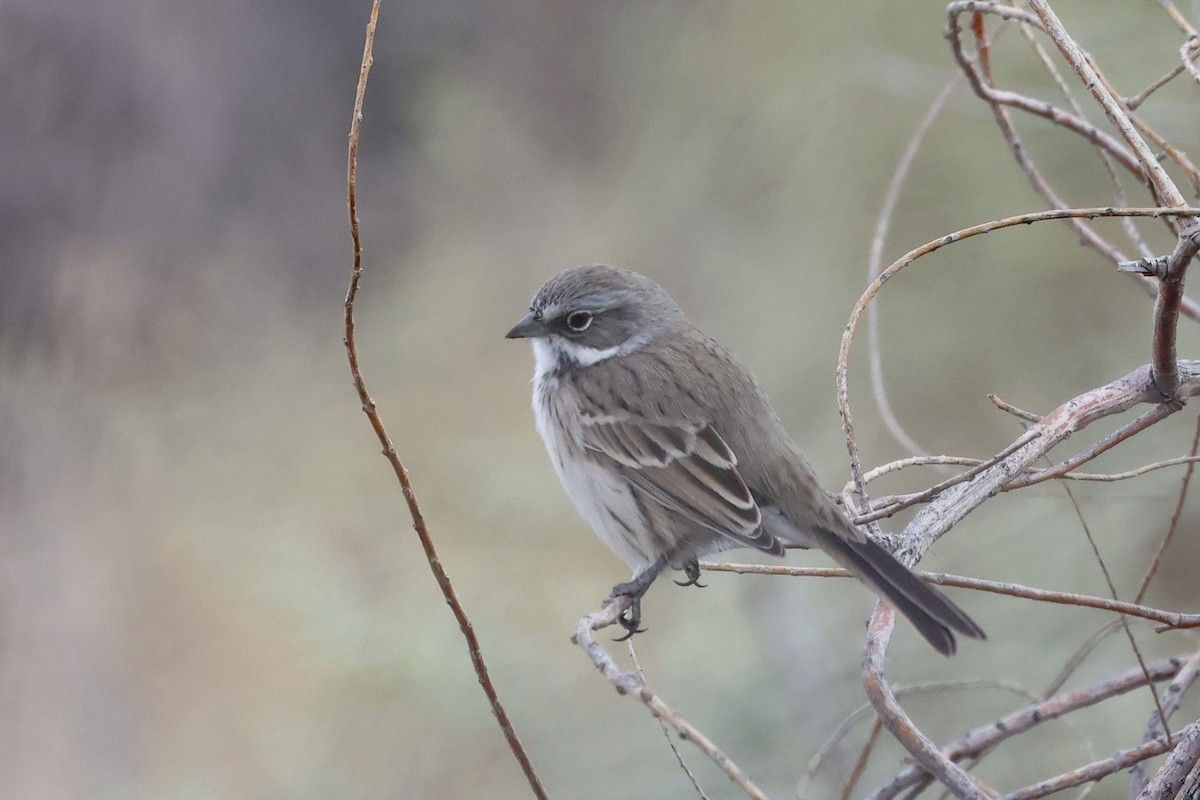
x=632, y=683
x=1168, y=620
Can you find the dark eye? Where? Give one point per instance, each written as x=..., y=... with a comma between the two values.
x=579, y=321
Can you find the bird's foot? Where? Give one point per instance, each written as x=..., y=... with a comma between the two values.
x=631, y=619
x=692, y=570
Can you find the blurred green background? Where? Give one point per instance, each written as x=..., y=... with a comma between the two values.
x=208, y=583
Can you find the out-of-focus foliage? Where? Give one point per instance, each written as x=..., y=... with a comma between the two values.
x=209, y=586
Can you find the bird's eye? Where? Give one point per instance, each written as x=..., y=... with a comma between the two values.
x=579, y=321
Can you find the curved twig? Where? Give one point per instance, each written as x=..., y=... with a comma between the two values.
x=897, y=721
x=389, y=449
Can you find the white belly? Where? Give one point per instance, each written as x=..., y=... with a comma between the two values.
x=601, y=496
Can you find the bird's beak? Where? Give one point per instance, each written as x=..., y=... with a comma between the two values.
x=530, y=327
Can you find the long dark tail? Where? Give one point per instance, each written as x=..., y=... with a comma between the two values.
x=931, y=612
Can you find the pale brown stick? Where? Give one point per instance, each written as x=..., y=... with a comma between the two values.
x=875, y=263
x=1169, y=620
x=632, y=683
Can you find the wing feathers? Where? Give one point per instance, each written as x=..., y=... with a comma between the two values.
x=687, y=468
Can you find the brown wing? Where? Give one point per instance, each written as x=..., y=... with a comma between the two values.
x=687, y=468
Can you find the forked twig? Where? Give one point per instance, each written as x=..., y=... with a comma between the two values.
x=1170, y=286
x=389, y=449
x=984, y=738
x=1171, y=697
x=1176, y=768
x=894, y=718
x=1088, y=773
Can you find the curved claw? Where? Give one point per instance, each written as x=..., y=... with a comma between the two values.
x=634, y=589
x=631, y=620
x=692, y=570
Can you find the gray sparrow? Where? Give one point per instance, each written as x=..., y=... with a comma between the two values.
x=670, y=450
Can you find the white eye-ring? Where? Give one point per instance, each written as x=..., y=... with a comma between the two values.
x=579, y=321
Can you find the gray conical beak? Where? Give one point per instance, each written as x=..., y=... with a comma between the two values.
x=530, y=327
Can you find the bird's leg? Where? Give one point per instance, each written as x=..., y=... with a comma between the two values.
x=635, y=588
x=692, y=570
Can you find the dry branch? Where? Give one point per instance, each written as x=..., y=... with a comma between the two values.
x=984, y=738
x=474, y=651
x=1169, y=620
x=632, y=683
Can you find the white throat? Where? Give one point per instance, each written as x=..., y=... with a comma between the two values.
x=551, y=351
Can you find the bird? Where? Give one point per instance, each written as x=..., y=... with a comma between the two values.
x=670, y=450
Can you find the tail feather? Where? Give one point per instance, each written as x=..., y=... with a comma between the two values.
x=933, y=614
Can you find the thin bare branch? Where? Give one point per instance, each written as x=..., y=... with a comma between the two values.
x=860, y=763
x=938, y=488
x=1176, y=515
x=1131, y=231
x=1112, y=591
x=875, y=263
x=637, y=664
x=1011, y=409
x=1167, y=619
x=1126, y=431
x=1081, y=655
x=389, y=450
x=632, y=683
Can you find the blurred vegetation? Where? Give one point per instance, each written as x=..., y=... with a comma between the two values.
x=209, y=585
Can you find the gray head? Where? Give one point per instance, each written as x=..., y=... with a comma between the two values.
x=592, y=312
